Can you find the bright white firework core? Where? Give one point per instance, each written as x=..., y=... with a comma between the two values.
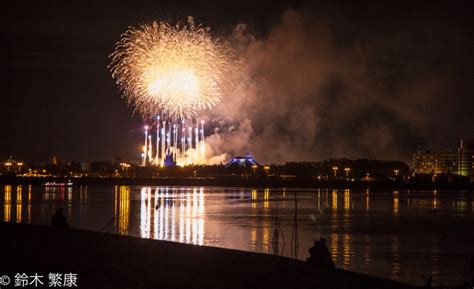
x=180, y=84
x=173, y=71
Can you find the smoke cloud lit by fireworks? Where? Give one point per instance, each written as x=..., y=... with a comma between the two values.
x=175, y=71
x=307, y=97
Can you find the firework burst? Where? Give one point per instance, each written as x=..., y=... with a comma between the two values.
x=174, y=71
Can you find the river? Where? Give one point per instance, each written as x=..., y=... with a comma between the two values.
x=400, y=235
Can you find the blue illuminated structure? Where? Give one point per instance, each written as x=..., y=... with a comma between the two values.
x=243, y=161
x=169, y=160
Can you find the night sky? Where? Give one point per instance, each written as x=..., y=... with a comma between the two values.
x=58, y=97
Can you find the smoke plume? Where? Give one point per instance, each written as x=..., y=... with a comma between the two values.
x=305, y=96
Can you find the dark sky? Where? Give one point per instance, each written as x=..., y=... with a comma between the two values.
x=58, y=97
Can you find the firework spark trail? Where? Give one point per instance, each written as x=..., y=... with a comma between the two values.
x=174, y=71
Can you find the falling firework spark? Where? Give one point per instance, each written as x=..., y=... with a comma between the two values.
x=174, y=71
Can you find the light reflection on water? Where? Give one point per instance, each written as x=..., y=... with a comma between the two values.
x=170, y=214
x=7, y=203
x=392, y=234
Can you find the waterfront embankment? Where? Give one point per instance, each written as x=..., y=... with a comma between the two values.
x=112, y=261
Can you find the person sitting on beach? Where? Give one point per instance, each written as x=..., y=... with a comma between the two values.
x=319, y=255
x=58, y=220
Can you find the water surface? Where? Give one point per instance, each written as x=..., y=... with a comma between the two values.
x=400, y=235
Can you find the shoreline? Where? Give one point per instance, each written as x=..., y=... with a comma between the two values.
x=104, y=260
x=235, y=182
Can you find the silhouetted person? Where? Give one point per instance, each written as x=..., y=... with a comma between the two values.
x=58, y=220
x=429, y=281
x=319, y=255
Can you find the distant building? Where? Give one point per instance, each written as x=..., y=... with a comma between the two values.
x=427, y=162
x=465, y=158
x=169, y=160
x=247, y=161
x=12, y=166
x=460, y=162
